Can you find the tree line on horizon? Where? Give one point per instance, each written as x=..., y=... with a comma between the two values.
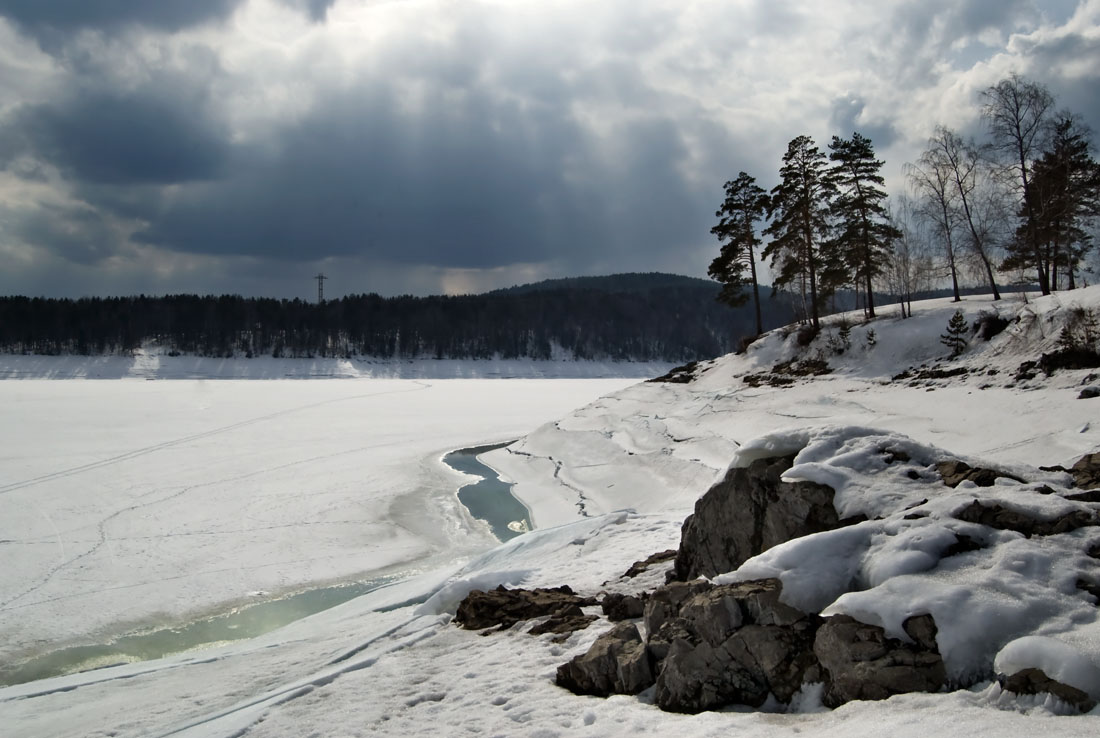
x=624, y=318
x=1024, y=202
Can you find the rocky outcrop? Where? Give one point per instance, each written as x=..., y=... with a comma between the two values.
x=713, y=645
x=1002, y=518
x=616, y=663
x=738, y=643
x=505, y=607
x=743, y=669
x=748, y=512
x=1035, y=681
x=862, y=663
x=956, y=472
x=640, y=566
x=710, y=645
x=717, y=645
x=1086, y=471
x=617, y=607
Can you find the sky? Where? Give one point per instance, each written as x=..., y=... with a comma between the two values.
x=453, y=146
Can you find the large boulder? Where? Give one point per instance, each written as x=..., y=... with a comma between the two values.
x=862, y=663
x=505, y=607
x=618, y=606
x=717, y=645
x=616, y=663
x=701, y=677
x=748, y=512
x=664, y=604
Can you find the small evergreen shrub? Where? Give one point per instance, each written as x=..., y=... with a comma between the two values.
x=955, y=338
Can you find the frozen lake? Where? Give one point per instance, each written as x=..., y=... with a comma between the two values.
x=143, y=506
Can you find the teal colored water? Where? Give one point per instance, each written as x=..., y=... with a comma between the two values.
x=241, y=623
x=490, y=498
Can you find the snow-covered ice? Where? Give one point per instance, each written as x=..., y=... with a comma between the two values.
x=607, y=485
x=130, y=504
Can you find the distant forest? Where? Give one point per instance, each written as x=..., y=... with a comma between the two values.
x=626, y=317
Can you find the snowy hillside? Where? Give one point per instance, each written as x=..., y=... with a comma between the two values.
x=611, y=483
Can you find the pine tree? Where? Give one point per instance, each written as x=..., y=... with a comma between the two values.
x=1065, y=187
x=955, y=338
x=863, y=228
x=745, y=204
x=799, y=214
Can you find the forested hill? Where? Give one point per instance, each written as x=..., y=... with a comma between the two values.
x=629, y=282
x=631, y=317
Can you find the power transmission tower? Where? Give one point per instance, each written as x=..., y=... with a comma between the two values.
x=320, y=287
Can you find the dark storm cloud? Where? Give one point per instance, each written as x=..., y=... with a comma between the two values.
x=844, y=120
x=456, y=139
x=431, y=166
x=957, y=18
x=472, y=183
x=76, y=234
x=315, y=9
x=53, y=16
x=52, y=22
x=155, y=136
x=1079, y=90
x=923, y=35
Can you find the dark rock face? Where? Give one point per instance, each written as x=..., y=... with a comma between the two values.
x=1035, y=681
x=619, y=607
x=989, y=325
x=1089, y=393
x=505, y=607
x=616, y=663
x=709, y=646
x=715, y=645
x=1086, y=471
x=1001, y=518
x=1069, y=358
x=743, y=669
x=748, y=512
x=728, y=644
x=679, y=375
x=563, y=622
x=956, y=472
x=664, y=604
x=962, y=544
x=863, y=664
x=640, y=566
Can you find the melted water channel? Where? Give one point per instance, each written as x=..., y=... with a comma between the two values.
x=238, y=624
x=490, y=498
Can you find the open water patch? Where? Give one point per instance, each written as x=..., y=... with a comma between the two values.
x=489, y=499
x=241, y=623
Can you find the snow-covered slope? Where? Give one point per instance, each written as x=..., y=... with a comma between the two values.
x=656, y=446
x=390, y=663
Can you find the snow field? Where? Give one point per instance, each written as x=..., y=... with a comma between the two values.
x=389, y=663
x=128, y=504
